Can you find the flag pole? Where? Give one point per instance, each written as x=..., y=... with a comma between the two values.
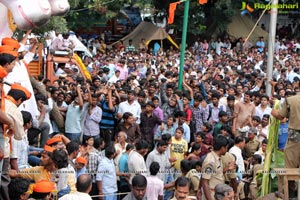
x=183, y=42
x=271, y=44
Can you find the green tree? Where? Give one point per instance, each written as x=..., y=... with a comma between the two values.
x=211, y=16
x=56, y=23
x=86, y=14
x=208, y=19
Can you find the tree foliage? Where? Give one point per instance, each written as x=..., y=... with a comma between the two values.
x=208, y=19
x=203, y=19
x=56, y=23
x=84, y=14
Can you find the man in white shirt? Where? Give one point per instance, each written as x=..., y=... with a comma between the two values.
x=296, y=46
x=263, y=131
x=219, y=44
x=20, y=148
x=236, y=150
x=115, y=77
x=282, y=46
x=60, y=69
x=263, y=108
x=160, y=156
x=132, y=106
x=84, y=186
x=136, y=161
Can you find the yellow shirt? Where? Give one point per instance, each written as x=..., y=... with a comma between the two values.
x=39, y=173
x=178, y=149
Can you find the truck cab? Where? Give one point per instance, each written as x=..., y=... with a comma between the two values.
x=48, y=67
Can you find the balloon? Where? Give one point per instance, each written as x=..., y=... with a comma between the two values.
x=29, y=14
x=5, y=29
x=59, y=7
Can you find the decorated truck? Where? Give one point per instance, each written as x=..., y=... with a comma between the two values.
x=48, y=66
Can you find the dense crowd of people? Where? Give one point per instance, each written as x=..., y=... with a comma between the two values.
x=131, y=133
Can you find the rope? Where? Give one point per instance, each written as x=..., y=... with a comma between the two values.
x=257, y=23
x=114, y=194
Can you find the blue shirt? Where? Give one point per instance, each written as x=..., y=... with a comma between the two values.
x=73, y=119
x=107, y=175
x=80, y=172
x=283, y=135
x=261, y=45
x=123, y=167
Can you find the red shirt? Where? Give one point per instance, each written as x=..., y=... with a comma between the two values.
x=188, y=113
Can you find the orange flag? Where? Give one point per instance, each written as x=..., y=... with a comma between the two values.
x=202, y=2
x=172, y=8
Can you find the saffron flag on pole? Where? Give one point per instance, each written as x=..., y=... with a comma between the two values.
x=203, y=2
x=172, y=8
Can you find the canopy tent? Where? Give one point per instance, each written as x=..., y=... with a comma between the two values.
x=78, y=45
x=241, y=26
x=149, y=32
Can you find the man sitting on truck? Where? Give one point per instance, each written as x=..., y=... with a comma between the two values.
x=60, y=71
x=58, y=44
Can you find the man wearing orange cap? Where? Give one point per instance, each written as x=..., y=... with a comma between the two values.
x=19, y=73
x=38, y=173
x=48, y=170
x=80, y=164
x=11, y=102
x=11, y=42
x=6, y=49
x=14, y=98
x=58, y=141
x=8, y=58
x=9, y=120
x=54, y=142
x=43, y=190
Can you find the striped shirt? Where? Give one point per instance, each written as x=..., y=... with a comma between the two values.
x=108, y=116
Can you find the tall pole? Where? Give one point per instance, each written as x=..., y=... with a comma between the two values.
x=183, y=41
x=271, y=44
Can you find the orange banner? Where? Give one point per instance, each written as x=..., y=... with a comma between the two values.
x=202, y=2
x=172, y=8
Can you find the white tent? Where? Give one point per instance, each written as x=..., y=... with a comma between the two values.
x=78, y=45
